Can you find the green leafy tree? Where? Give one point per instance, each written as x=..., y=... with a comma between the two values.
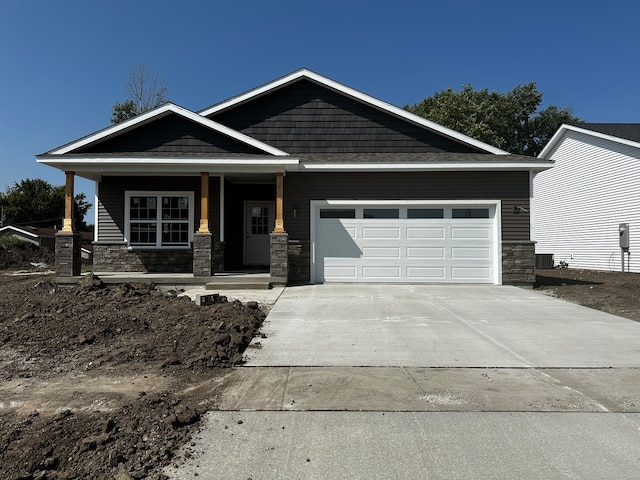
x=38, y=203
x=123, y=111
x=145, y=90
x=511, y=121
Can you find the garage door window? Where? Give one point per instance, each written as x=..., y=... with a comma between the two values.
x=337, y=213
x=381, y=213
x=470, y=213
x=425, y=213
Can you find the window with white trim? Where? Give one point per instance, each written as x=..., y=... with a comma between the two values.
x=159, y=219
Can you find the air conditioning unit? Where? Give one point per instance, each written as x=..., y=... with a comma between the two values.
x=544, y=261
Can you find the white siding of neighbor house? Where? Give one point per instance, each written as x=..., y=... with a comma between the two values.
x=578, y=204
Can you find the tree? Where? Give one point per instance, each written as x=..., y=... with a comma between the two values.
x=38, y=203
x=145, y=90
x=510, y=121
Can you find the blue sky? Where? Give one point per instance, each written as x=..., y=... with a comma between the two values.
x=64, y=63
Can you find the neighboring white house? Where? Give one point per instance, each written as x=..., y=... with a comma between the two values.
x=593, y=187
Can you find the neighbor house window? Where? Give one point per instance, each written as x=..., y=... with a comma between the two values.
x=159, y=219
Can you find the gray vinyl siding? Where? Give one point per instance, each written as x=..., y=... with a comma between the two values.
x=306, y=117
x=110, y=212
x=171, y=134
x=512, y=188
x=112, y=195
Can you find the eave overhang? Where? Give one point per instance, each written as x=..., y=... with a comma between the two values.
x=430, y=166
x=93, y=168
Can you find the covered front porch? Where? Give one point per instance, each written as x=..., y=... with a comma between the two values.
x=166, y=229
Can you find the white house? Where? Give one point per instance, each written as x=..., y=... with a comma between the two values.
x=593, y=188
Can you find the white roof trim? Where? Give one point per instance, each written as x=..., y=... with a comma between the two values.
x=16, y=229
x=470, y=166
x=160, y=112
x=363, y=97
x=559, y=135
x=94, y=168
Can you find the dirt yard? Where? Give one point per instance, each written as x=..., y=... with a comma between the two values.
x=612, y=292
x=100, y=382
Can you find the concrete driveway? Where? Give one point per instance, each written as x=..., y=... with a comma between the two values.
x=440, y=326
x=407, y=381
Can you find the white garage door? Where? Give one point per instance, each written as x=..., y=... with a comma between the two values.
x=405, y=243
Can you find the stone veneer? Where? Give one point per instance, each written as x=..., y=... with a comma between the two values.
x=203, y=252
x=117, y=257
x=518, y=263
x=68, y=254
x=279, y=255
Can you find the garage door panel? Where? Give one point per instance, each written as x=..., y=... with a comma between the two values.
x=421, y=253
x=335, y=230
x=432, y=274
x=381, y=233
x=381, y=252
x=430, y=232
x=470, y=233
x=469, y=273
x=381, y=273
x=340, y=272
x=403, y=249
x=470, y=253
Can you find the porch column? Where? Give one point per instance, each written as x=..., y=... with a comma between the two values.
x=203, y=241
x=68, y=255
x=279, y=240
x=204, y=203
x=279, y=204
x=68, y=223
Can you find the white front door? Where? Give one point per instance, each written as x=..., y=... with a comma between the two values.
x=259, y=223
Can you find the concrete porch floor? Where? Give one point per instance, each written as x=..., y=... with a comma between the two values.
x=176, y=279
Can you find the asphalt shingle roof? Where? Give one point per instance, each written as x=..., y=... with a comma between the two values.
x=628, y=131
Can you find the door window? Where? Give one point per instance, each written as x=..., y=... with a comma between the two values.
x=259, y=220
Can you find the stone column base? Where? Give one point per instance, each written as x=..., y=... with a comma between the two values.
x=203, y=248
x=279, y=255
x=518, y=263
x=68, y=255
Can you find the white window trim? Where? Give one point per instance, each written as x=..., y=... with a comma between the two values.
x=157, y=193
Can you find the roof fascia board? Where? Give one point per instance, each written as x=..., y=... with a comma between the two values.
x=363, y=97
x=440, y=166
x=96, y=167
x=97, y=171
x=559, y=135
x=158, y=113
x=18, y=230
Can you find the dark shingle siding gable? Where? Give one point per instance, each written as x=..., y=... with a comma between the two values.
x=306, y=117
x=627, y=131
x=171, y=134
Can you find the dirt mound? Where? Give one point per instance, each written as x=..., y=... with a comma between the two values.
x=66, y=337
x=19, y=254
